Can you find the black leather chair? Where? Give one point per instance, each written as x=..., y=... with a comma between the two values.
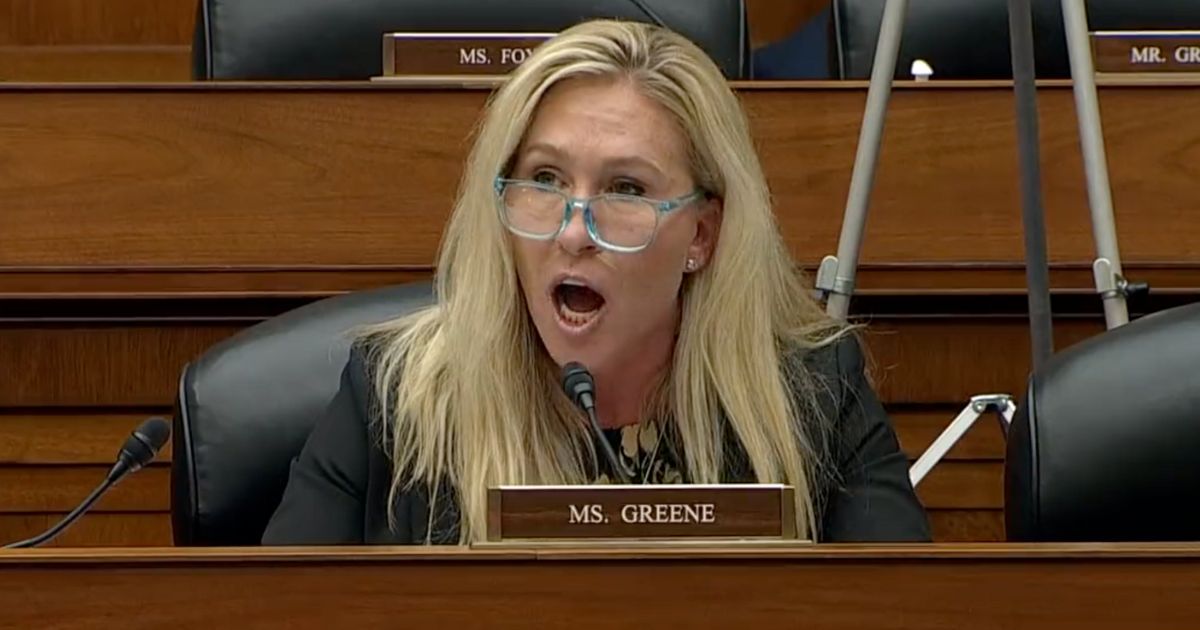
x=247, y=405
x=968, y=39
x=332, y=40
x=1106, y=446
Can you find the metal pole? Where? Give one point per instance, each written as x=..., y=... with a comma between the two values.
x=1033, y=215
x=836, y=276
x=1110, y=280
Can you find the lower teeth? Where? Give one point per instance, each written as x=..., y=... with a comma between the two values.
x=574, y=318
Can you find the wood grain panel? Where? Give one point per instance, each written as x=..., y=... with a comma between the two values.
x=38, y=489
x=159, y=22
x=256, y=176
x=80, y=366
x=1096, y=587
x=82, y=437
x=918, y=360
x=943, y=360
x=95, y=63
x=967, y=525
x=964, y=486
x=918, y=428
x=92, y=23
x=95, y=529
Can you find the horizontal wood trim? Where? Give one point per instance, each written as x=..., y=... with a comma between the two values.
x=90, y=23
x=913, y=360
x=964, y=486
x=106, y=283
x=95, y=63
x=93, y=436
x=119, y=529
x=82, y=437
x=295, y=175
x=170, y=281
x=35, y=489
x=95, y=529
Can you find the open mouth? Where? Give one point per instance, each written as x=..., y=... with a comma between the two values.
x=576, y=303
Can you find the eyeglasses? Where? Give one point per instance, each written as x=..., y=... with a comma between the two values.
x=621, y=223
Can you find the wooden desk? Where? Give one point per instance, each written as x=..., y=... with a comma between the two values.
x=141, y=224
x=999, y=586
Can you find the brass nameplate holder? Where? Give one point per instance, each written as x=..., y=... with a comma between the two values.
x=1147, y=52
x=651, y=513
x=455, y=56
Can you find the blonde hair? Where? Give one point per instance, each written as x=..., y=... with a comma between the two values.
x=466, y=391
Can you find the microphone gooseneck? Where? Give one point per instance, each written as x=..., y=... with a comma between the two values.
x=140, y=447
x=578, y=384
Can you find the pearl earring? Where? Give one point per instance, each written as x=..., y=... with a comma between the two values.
x=691, y=264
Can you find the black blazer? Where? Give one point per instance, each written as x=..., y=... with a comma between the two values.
x=338, y=490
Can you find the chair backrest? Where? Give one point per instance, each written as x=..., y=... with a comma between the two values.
x=332, y=40
x=968, y=39
x=1106, y=446
x=247, y=405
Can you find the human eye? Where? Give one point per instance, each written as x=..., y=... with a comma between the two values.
x=627, y=187
x=547, y=177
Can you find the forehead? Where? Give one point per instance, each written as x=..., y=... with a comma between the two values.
x=606, y=116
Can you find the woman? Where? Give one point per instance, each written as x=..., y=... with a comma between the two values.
x=612, y=213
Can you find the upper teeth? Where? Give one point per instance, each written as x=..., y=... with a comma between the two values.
x=574, y=283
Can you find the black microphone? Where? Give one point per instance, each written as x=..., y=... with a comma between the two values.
x=139, y=448
x=578, y=384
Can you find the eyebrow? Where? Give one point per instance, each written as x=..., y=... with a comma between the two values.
x=635, y=161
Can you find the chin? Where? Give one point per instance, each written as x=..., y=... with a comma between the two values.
x=592, y=350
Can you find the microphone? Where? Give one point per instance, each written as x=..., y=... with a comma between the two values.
x=578, y=384
x=140, y=447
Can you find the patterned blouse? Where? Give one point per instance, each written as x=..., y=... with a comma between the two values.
x=643, y=449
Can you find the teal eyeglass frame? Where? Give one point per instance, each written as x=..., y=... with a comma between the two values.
x=585, y=205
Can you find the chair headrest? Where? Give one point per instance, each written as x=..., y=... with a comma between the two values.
x=319, y=39
x=248, y=404
x=970, y=39
x=1105, y=446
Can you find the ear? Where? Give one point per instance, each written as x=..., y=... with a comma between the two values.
x=708, y=230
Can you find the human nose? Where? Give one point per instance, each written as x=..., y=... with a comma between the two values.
x=574, y=238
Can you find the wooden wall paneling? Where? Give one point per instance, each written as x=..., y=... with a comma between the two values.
x=917, y=427
x=95, y=529
x=95, y=63
x=56, y=453
x=91, y=23
x=936, y=361
x=158, y=22
x=100, y=365
x=949, y=360
x=70, y=436
x=57, y=489
x=967, y=525
x=284, y=172
x=964, y=486
x=96, y=41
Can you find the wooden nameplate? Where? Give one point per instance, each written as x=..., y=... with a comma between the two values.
x=1146, y=52
x=455, y=56
x=623, y=514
